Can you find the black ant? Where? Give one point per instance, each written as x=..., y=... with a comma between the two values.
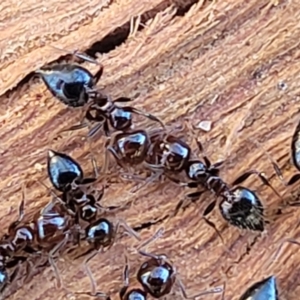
x=66, y=175
x=264, y=289
x=71, y=83
x=107, y=114
x=156, y=277
x=48, y=232
x=159, y=153
x=102, y=234
x=240, y=206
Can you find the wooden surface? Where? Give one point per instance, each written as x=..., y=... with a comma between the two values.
x=233, y=62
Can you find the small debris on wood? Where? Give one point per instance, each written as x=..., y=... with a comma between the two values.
x=282, y=86
x=205, y=125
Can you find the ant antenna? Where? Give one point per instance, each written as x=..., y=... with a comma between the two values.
x=78, y=54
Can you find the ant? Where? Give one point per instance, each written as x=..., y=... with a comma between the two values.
x=107, y=114
x=66, y=175
x=48, y=232
x=239, y=206
x=102, y=234
x=264, y=289
x=156, y=277
x=160, y=153
x=71, y=83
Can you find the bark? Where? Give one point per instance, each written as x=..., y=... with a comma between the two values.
x=233, y=62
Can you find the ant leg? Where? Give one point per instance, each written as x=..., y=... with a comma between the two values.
x=132, y=177
x=287, y=240
x=126, y=272
x=99, y=73
x=125, y=278
x=207, y=211
x=161, y=257
x=293, y=179
x=191, y=197
x=122, y=100
x=185, y=296
x=93, y=161
x=52, y=193
x=111, y=209
x=88, y=271
x=141, y=113
x=75, y=127
x=260, y=175
x=114, y=153
x=128, y=229
x=155, y=176
x=157, y=235
x=110, y=149
x=201, y=149
x=14, y=224
x=52, y=263
x=92, y=132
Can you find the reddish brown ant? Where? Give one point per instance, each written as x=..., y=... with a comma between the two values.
x=264, y=289
x=71, y=83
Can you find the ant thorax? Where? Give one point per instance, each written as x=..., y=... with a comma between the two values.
x=196, y=170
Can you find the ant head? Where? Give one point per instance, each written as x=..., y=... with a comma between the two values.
x=62, y=170
x=196, y=170
x=67, y=82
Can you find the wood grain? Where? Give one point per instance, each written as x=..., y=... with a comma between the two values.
x=232, y=62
